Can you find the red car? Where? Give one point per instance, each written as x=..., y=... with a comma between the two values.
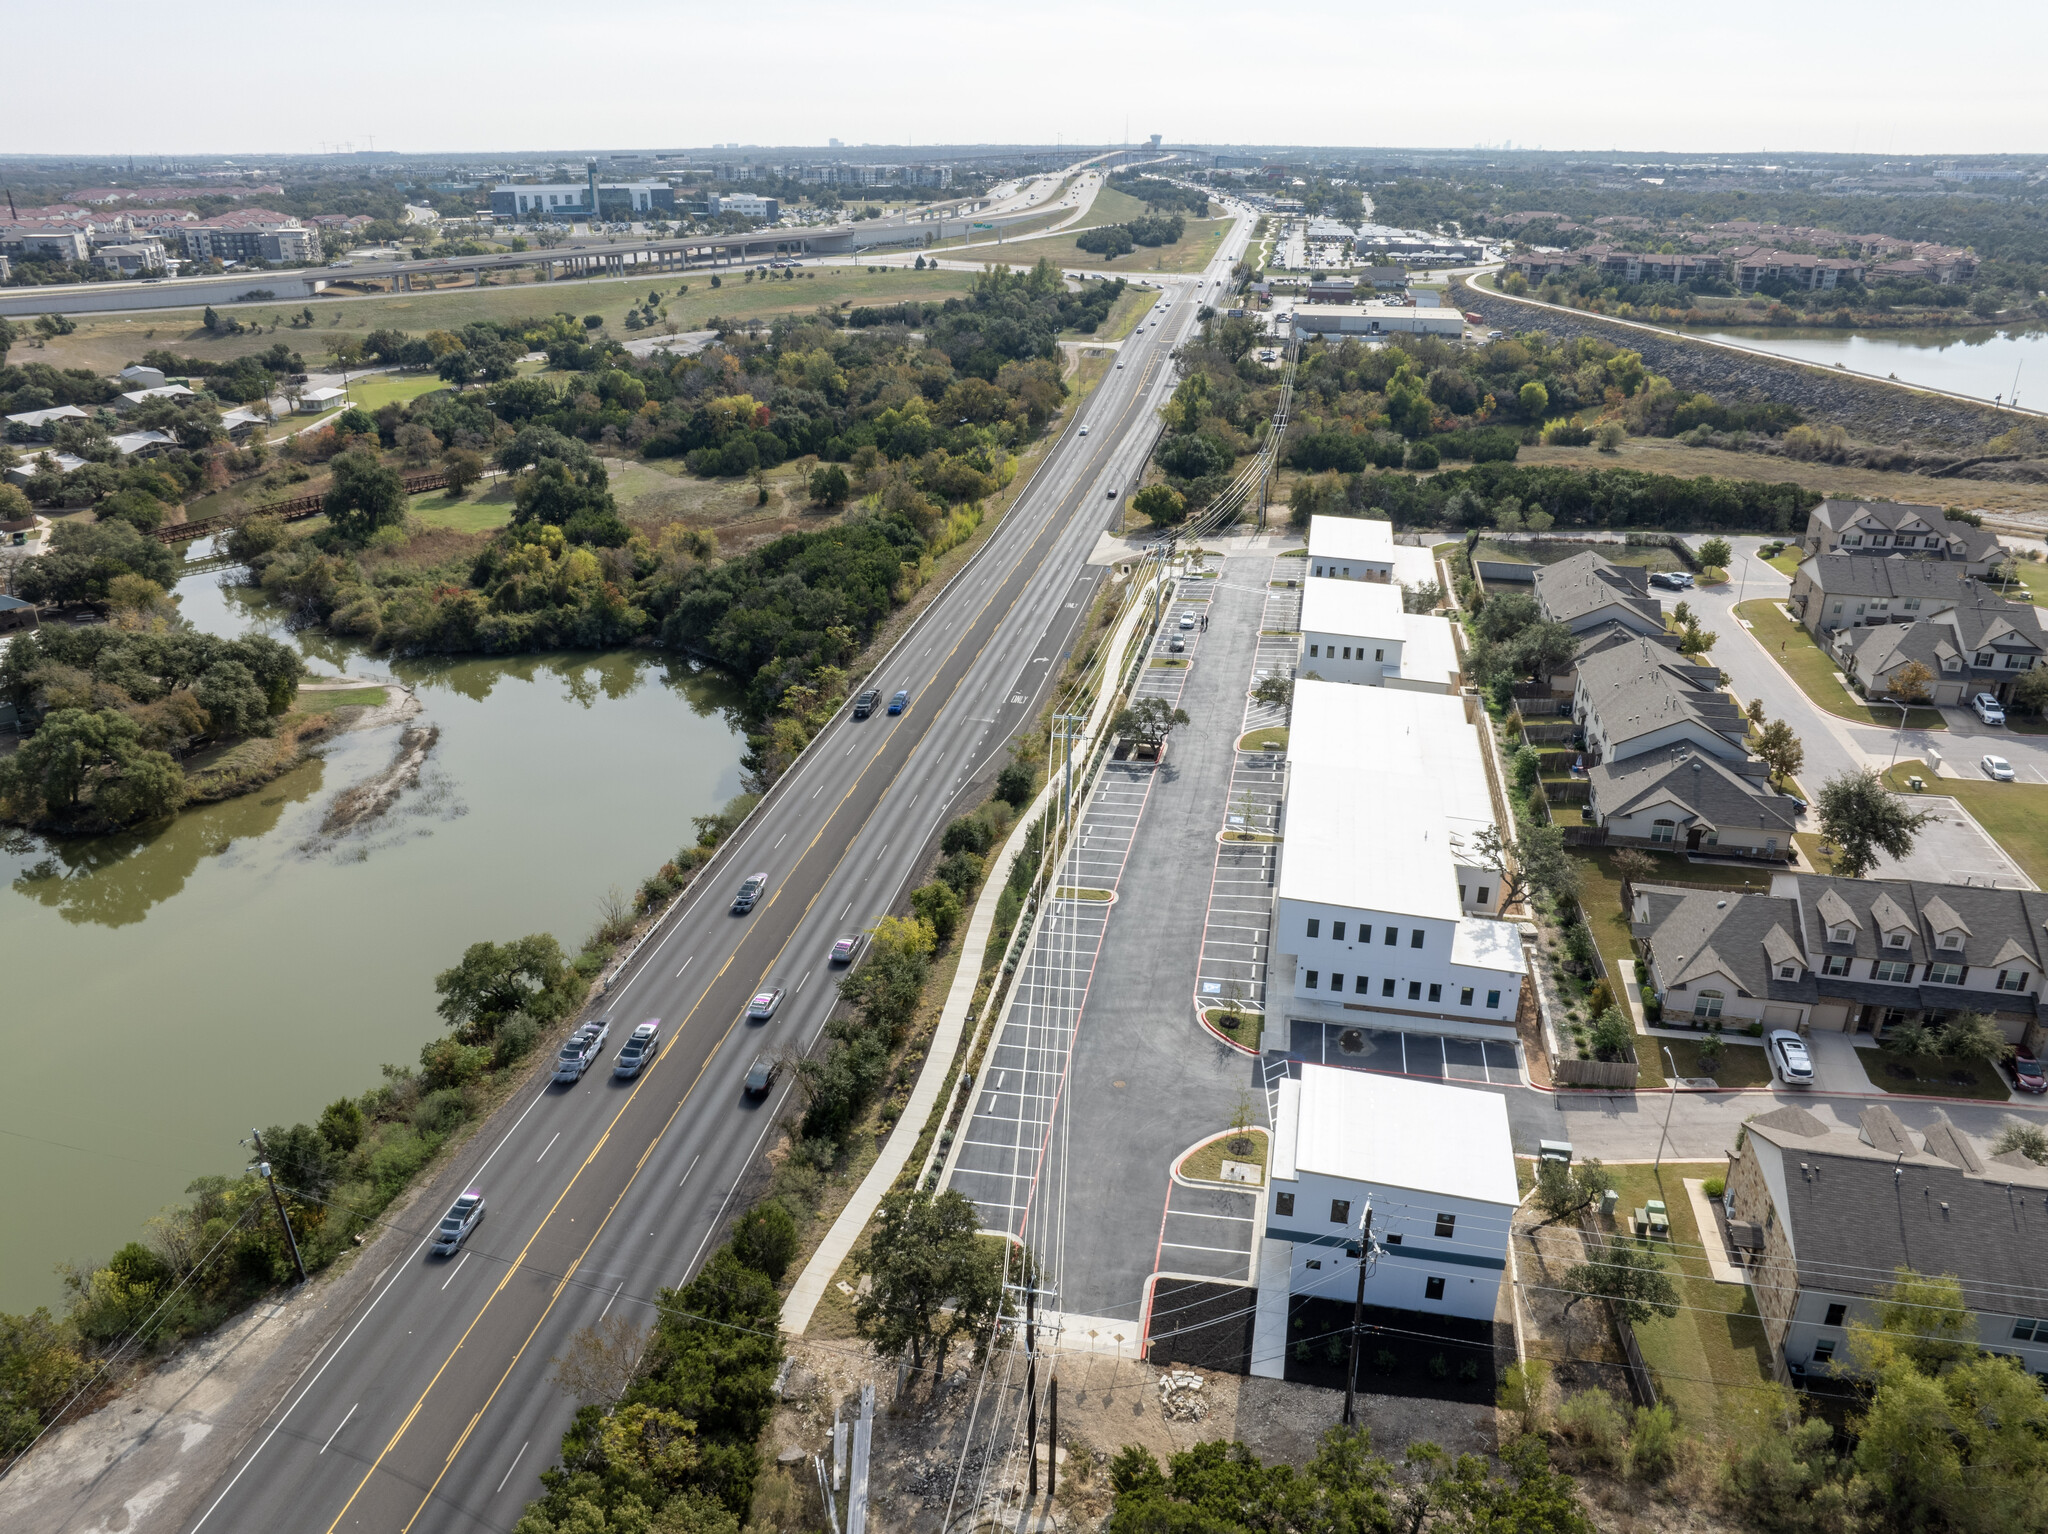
x=2027, y=1074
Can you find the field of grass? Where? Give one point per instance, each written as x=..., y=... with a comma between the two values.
x=478, y=510
x=1190, y=253
x=1742, y=1065
x=1814, y=670
x=1124, y=315
x=1942, y=1077
x=108, y=342
x=1551, y=551
x=2015, y=814
x=1787, y=562
x=349, y=697
x=1712, y=1356
x=376, y=390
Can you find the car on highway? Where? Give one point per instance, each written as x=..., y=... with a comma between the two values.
x=1084, y=428
x=846, y=947
x=864, y=705
x=640, y=1047
x=580, y=1048
x=1988, y=708
x=761, y=1075
x=2027, y=1074
x=1119, y=362
x=463, y=1216
x=1110, y=494
x=763, y=1006
x=1789, y=1058
x=1999, y=768
x=899, y=700
x=749, y=892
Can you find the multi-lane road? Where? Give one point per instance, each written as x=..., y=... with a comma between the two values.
x=429, y=1406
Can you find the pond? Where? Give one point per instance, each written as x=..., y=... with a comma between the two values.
x=169, y=989
x=1982, y=363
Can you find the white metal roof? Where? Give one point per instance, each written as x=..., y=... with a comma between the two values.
x=1367, y=842
x=1428, y=652
x=1371, y=609
x=1366, y=538
x=1400, y=1133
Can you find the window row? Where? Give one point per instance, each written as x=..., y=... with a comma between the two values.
x=1315, y=653
x=1340, y=1214
x=1311, y=980
x=1392, y=939
x=1900, y=972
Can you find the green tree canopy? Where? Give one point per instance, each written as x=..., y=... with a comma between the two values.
x=365, y=496
x=1863, y=818
x=495, y=980
x=84, y=558
x=933, y=1279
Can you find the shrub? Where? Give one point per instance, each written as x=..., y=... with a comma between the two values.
x=1714, y=1187
x=1593, y=1424
x=764, y=1238
x=938, y=907
x=515, y=1039
x=1014, y=785
x=966, y=835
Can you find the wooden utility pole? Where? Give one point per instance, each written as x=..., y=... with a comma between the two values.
x=263, y=1169
x=1357, y=1317
x=1031, y=1380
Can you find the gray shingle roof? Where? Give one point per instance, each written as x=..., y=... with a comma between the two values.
x=1575, y=589
x=1964, y=542
x=1693, y=933
x=1998, y=925
x=1633, y=689
x=1715, y=793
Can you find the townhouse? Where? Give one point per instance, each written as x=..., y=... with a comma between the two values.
x=1683, y=797
x=1883, y=528
x=1826, y=1215
x=1639, y=696
x=1586, y=592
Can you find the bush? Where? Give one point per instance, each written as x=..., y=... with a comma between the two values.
x=1714, y=1187
x=765, y=1238
x=1015, y=784
x=938, y=907
x=1612, y=1036
x=966, y=835
x=1593, y=1424
x=1423, y=456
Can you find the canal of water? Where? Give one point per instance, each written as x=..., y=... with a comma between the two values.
x=166, y=991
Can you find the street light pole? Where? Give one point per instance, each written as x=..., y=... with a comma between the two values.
x=1900, y=738
x=1670, y=1096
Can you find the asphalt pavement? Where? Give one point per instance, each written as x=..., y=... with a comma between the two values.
x=430, y=1408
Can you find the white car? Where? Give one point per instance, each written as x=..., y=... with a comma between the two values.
x=1988, y=708
x=763, y=1006
x=1788, y=1055
x=581, y=1048
x=462, y=1217
x=1998, y=767
x=1084, y=431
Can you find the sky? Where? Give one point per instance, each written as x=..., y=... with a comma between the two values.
x=205, y=77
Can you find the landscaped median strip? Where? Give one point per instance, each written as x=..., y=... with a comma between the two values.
x=935, y=1076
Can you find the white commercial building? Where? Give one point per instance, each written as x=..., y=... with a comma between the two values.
x=1360, y=632
x=1363, y=549
x=1375, y=319
x=1435, y=1164
x=1381, y=907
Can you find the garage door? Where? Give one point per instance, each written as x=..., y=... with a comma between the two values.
x=1782, y=1017
x=1831, y=1016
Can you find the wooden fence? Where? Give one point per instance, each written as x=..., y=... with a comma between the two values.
x=296, y=509
x=1617, y=1075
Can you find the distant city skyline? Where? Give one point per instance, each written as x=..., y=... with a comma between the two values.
x=199, y=79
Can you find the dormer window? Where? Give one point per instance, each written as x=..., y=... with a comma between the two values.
x=1951, y=940
x=1839, y=935
x=1895, y=940
x=1788, y=971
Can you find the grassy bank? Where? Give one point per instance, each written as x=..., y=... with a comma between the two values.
x=1789, y=644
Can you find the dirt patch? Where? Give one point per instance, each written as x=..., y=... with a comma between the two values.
x=365, y=801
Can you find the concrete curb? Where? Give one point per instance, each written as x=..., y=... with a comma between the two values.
x=809, y=1288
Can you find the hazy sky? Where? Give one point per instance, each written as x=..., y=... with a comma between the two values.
x=207, y=77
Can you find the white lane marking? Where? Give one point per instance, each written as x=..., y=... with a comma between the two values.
x=780, y=840
x=800, y=983
x=693, y=1167
x=451, y=1277
x=512, y=1467
x=849, y=907
x=611, y=1302
x=818, y=790
x=337, y=1429
x=849, y=751
x=883, y=853
x=686, y=964
x=547, y=1147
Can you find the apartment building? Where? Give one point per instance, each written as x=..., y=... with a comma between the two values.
x=1883, y=528
x=1878, y=616
x=1381, y=906
x=1359, y=632
x=1827, y=1214
x=254, y=234
x=1750, y=265
x=1639, y=696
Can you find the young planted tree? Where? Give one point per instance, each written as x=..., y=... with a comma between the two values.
x=1912, y=682
x=1564, y=1191
x=1863, y=818
x=1148, y=722
x=1626, y=1273
x=1779, y=749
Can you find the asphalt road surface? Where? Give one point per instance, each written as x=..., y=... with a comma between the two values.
x=431, y=1407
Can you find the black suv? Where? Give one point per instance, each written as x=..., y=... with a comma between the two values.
x=864, y=705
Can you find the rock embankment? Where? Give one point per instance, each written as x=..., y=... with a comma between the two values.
x=1867, y=408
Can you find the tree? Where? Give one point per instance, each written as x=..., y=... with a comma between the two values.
x=1534, y=400
x=365, y=496
x=1161, y=505
x=76, y=758
x=1634, y=865
x=938, y=907
x=1543, y=649
x=829, y=485
x=1921, y=1320
x=1715, y=552
x=1755, y=713
x=1148, y=722
x=1566, y=1190
x=2030, y=1140
x=1274, y=689
x=1779, y=748
x=1862, y=818
x=765, y=1237
x=1628, y=1274
x=495, y=980
x=600, y=1361
x=933, y=1279
x=1911, y=682
x=1973, y=1035
x=2030, y=692
x=1506, y=615
x=85, y=557
x=461, y=467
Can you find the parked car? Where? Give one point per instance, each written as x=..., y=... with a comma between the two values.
x=1998, y=767
x=1187, y=620
x=2027, y=1074
x=763, y=1006
x=900, y=700
x=638, y=1050
x=1988, y=708
x=761, y=1075
x=1177, y=645
x=1788, y=1054
x=864, y=705
x=749, y=892
x=463, y=1216
x=580, y=1049
x=846, y=948
x=1669, y=579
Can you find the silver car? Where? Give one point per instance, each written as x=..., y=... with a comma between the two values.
x=462, y=1218
x=1788, y=1054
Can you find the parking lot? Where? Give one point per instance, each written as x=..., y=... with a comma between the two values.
x=1952, y=849
x=1446, y=1057
x=1207, y=1233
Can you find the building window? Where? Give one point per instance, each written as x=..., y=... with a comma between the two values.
x=1707, y=1004
x=1445, y=1224
x=1432, y=1289
x=1386, y=988
x=1415, y=938
x=1337, y=982
x=1393, y=936
x=1308, y=981
x=1788, y=971
x=1839, y=935
x=1485, y=893
x=1824, y=1351
x=1436, y=993
x=1315, y=926
x=1493, y=1000
x=1895, y=940
x=1835, y=964
x=1362, y=986
x=1415, y=990
x=1465, y=996
x=2012, y=980
x=2026, y=1329
x=1945, y=974
x=1912, y=603
x=1461, y=896
x=1337, y=931
x=1315, y=652
x=1283, y=1203
x=1316, y=1263
x=1379, y=655
x=1663, y=831
x=1835, y=1314
x=1347, y=652
x=1340, y=1211
x=1952, y=940
x=1897, y=971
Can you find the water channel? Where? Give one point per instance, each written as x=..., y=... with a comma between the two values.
x=1981, y=363
x=166, y=991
